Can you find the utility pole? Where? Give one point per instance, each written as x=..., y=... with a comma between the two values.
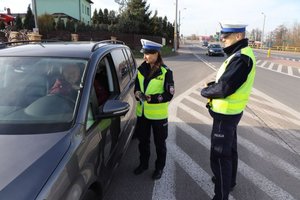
x=179, y=24
x=263, y=30
x=35, y=13
x=175, y=29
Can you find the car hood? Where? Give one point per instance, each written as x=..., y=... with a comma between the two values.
x=27, y=161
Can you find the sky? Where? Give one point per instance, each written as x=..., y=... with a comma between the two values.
x=202, y=17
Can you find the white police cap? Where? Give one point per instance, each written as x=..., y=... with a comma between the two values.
x=150, y=46
x=233, y=27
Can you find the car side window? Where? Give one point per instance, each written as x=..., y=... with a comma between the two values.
x=131, y=61
x=122, y=69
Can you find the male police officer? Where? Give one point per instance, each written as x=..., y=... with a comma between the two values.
x=227, y=98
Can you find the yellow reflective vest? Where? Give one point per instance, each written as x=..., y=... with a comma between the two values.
x=154, y=111
x=236, y=102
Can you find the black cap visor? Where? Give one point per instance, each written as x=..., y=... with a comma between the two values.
x=148, y=51
x=225, y=35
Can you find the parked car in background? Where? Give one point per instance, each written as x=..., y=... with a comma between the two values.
x=67, y=114
x=215, y=49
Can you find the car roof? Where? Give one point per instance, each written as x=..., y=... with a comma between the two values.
x=58, y=49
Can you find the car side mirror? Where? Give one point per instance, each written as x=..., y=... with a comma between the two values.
x=113, y=108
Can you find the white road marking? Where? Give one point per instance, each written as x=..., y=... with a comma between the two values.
x=274, y=191
x=271, y=66
x=290, y=70
x=258, y=131
x=165, y=188
x=200, y=176
x=263, y=64
x=263, y=183
x=207, y=63
x=267, y=156
x=279, y=68
x=274, y=114
x=277, y=103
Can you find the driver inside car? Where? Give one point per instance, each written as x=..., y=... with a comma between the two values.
x=69, y=82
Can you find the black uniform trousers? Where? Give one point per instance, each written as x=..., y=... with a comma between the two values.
x=160, y=134
x=223, y=153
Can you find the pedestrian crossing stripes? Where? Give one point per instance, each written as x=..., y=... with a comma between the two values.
x=277, y=57
x=271, y=66
x=200, y=176
x=294, y=171
x=287, y=70
x=274, y=191
x=263, y=64
x=261, y=133
x=193, y=104
x=290, y=71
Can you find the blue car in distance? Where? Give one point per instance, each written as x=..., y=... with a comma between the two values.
x=67, y=115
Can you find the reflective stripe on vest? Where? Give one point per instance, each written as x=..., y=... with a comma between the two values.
x=155, y=86
x=236, y=102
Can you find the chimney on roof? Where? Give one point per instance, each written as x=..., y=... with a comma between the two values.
x=8, y=11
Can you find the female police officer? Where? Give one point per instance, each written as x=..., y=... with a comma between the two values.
x=154, y=88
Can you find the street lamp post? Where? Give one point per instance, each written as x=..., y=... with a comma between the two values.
x=263, y=30
x=35, y=13
x=179, y=28
x=175, y=28
x=179, y=23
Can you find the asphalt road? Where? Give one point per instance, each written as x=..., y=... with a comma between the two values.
x=268, y=136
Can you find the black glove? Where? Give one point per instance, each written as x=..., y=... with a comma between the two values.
x=141, y=96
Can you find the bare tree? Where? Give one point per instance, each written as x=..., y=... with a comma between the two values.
x=280, y=35
x=122, y=3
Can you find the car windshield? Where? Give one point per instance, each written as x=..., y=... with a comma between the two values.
x=215, y=46
x=38, y=94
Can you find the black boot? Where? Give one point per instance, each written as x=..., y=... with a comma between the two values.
x=213, y=179
x=157, y=174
